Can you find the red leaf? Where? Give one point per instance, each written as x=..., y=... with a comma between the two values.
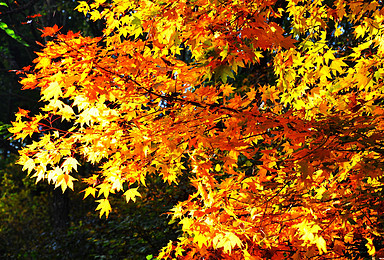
x=49, y=31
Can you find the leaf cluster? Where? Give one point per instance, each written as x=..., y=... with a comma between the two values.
x=286, y=166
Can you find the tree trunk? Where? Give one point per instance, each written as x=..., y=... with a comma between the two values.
x=60, y=209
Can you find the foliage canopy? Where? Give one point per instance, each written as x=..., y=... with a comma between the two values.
x=286, y=167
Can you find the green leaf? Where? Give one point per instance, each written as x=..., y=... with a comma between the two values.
x=4, y=4
x=4, y=130
x=223, y=71
x=11, y=33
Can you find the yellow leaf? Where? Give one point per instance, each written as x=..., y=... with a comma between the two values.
x=370, y=246
x=360, y=31
x=99, y=2
x=105, y=189
x=234, y=240
x=131, y=194
x=53, y=174
x=40, y=173
x=95, y=15
x=29, y=165
x=224, y=52
x=186, y=223
x=348, y=238
x=69, y=181
x=227, y=241
x=299, y=104
x=320, y=191
x=200, y=239
x=66, y=112
x=65, y=180
x=17, y=130
x=337, y=64
x=43, y=63
x=52, y=91
x=328, y=56
x=69, y=164
x=321, y=245
x=230, y=212
x=339, y=31
x=90, y=190
x=83, y=7
x=217, y=167
x=104, y=207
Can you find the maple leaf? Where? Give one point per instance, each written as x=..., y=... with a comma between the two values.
x=21, y=113
x=104, y=207
x=337, y=64
x=69, y=164
x=105, y=189
x=131, y=194
x=321, y=245
x=43, y=62
x=65, y=180
x=227, y=89
x=29, y=165
x=90, y=190
x=50, y=31
x=52, y=91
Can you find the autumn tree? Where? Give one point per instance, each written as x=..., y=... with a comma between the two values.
x=20, y=225
x=289, y=167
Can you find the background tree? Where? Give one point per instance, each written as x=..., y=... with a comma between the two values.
x=290, y=167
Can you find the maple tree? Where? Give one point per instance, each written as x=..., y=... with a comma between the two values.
x=290, y=168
